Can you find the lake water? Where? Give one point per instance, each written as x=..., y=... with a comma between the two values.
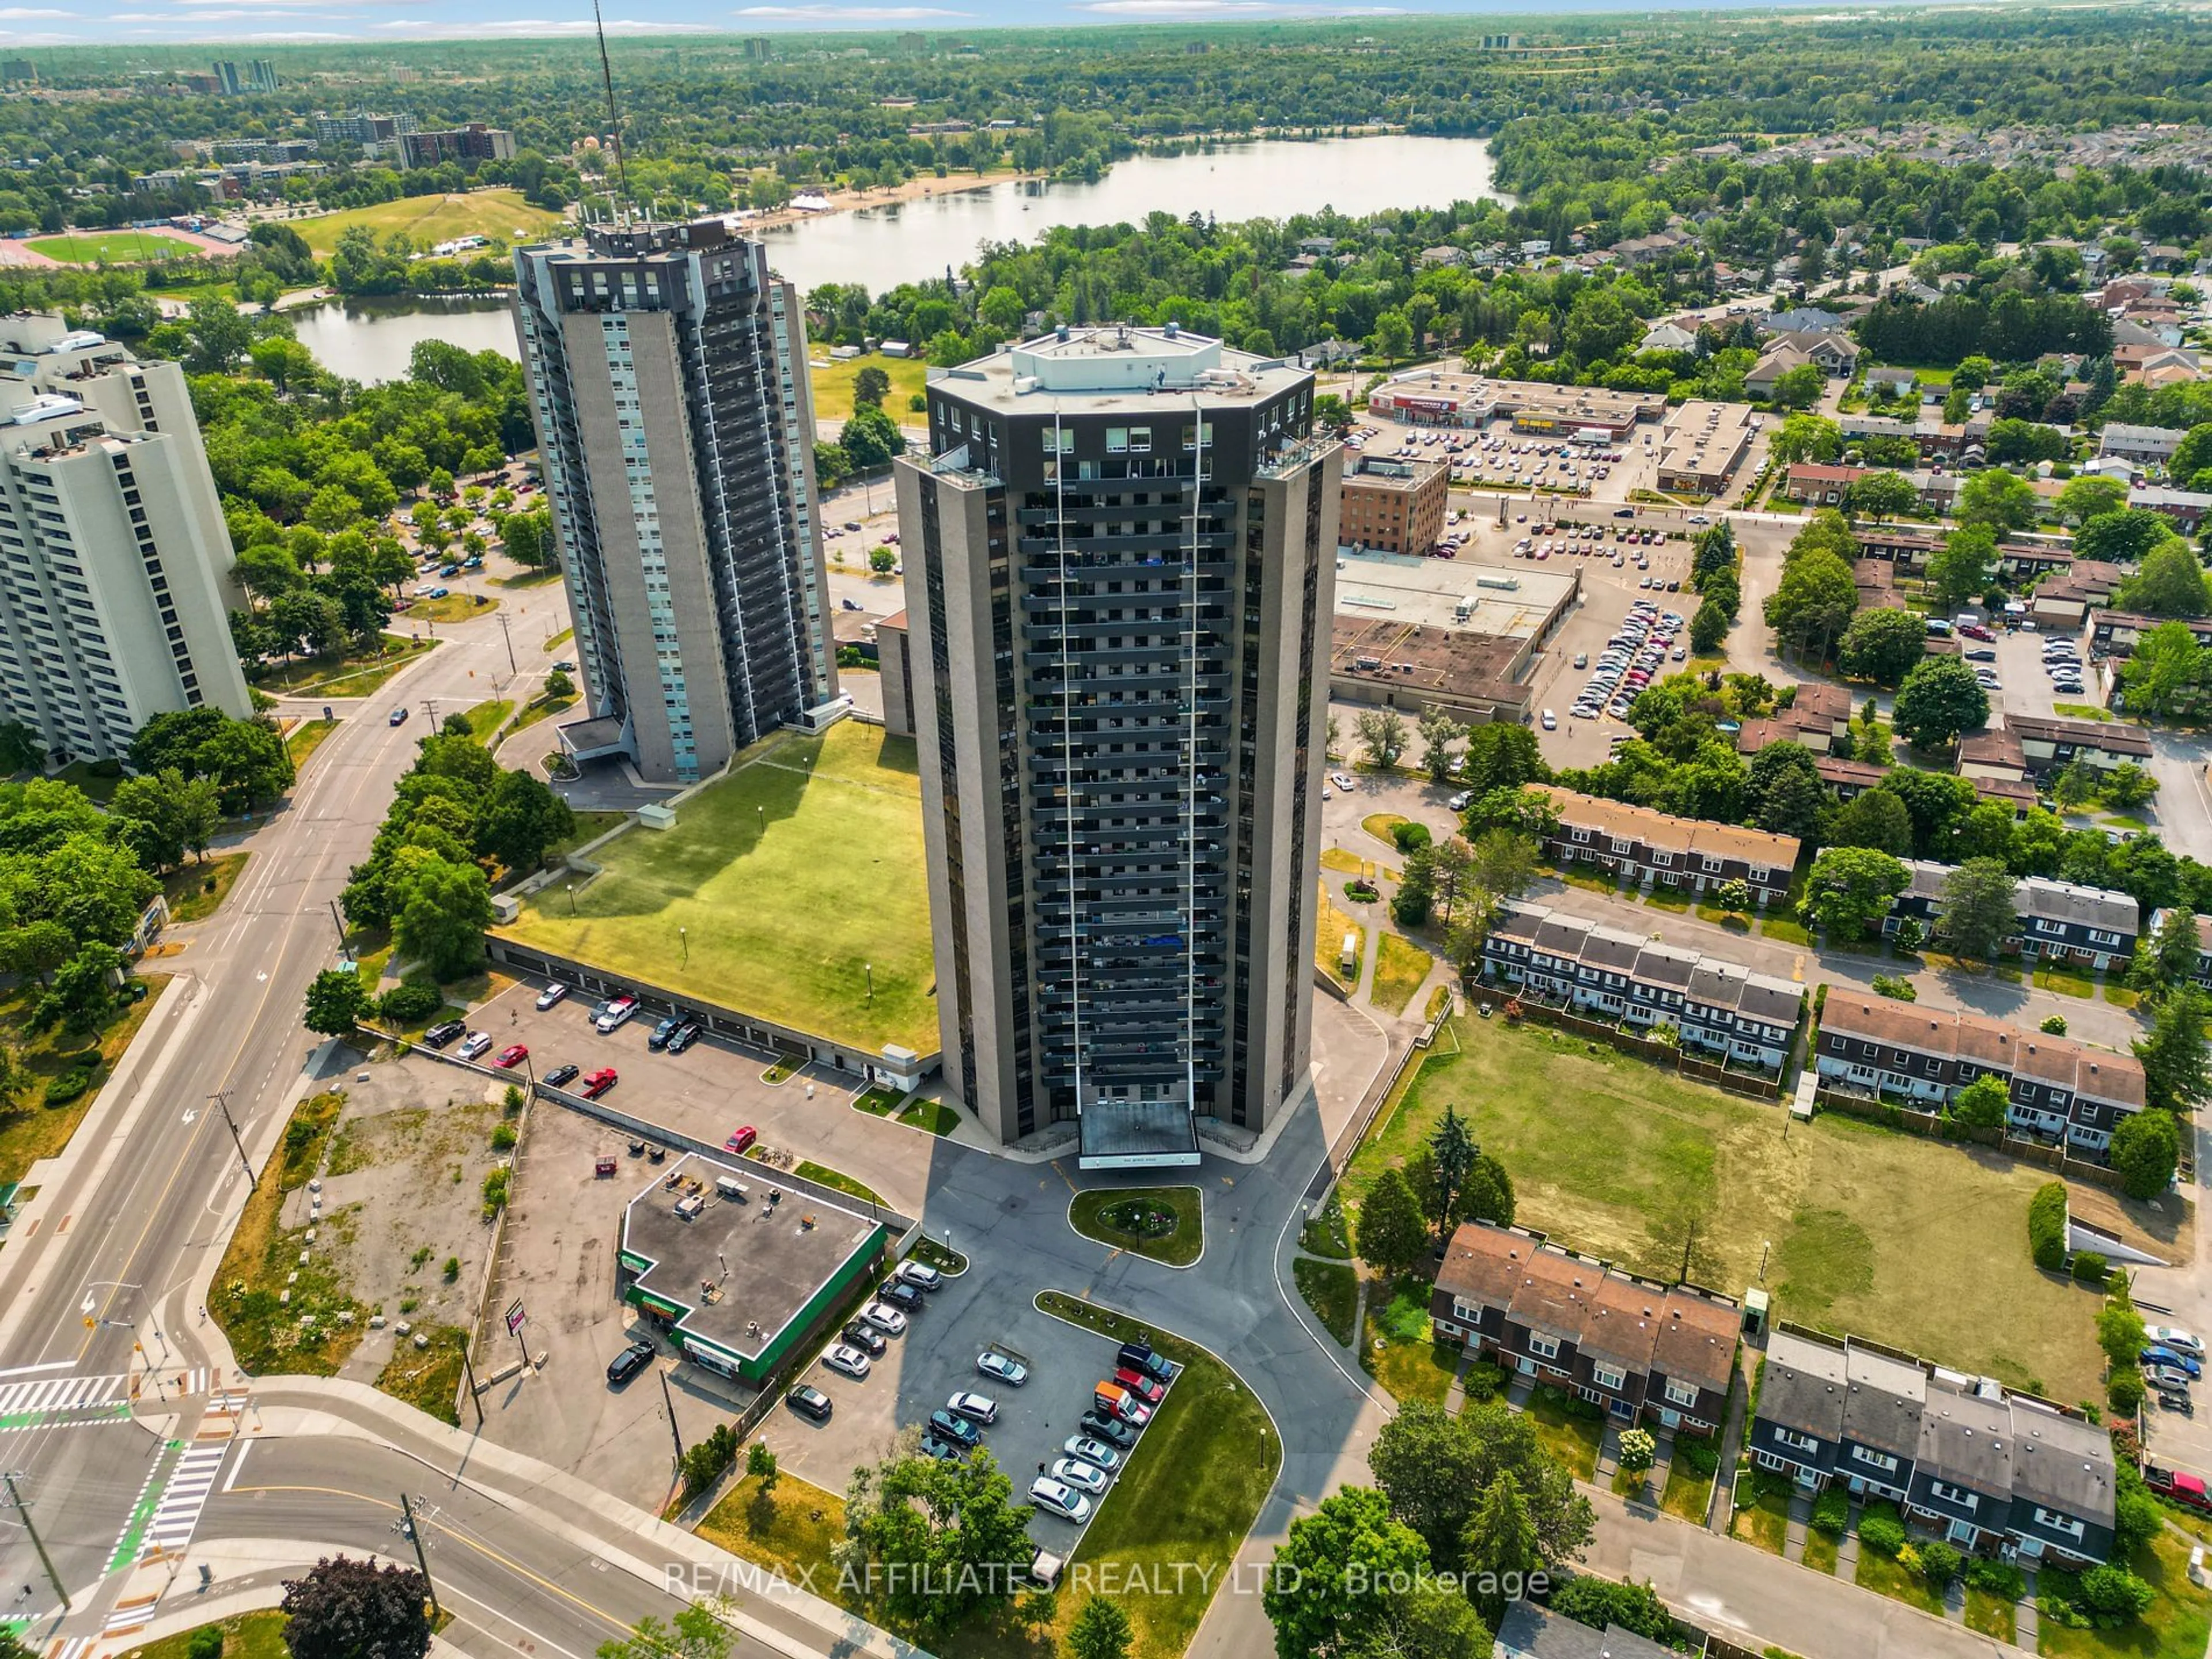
x=881, y=247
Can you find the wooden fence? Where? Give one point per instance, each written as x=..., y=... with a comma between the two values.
x=1662, y=1053
x=1937, y=1127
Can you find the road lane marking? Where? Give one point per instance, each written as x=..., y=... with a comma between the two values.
x=236, y=1468
x=26, y=1371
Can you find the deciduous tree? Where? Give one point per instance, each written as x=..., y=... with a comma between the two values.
x=1938, y=700
x=342, y=1609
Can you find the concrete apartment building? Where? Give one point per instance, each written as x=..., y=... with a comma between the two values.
x=1120, y=565
x=474, y=142
x=115, y=587
x=667, y=375
x=1393, y=507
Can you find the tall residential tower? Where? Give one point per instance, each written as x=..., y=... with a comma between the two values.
x=1120, y=570
x=114, y=559
x=667, y=375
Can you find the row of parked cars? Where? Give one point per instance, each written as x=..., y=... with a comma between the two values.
x=1091, y=1457
x=865, y=1338
x=1631, y=660
x=2173, y=1360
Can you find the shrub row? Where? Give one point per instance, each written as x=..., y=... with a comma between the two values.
x=2047, y=1226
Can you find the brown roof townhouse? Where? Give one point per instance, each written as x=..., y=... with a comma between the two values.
x=1665, y=851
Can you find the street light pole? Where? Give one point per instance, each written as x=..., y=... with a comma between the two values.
x=24, y=1514
x=220, y=1098
x=684, y=935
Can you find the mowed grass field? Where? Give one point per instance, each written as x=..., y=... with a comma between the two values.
x=502, y=215
x=833, y=383
x=802, y=865
x=1913, y=1243
x=113, y=248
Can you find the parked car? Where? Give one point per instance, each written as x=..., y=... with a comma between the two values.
x=1150, y=1389
x=630, y=1362
x=2172, y=1336
x=1459, y=802
x=662, y=1032
x=559, y=1075
x=1002, y=1368
x=511, y=1056
x=975, y=1408
x=921, y=1275
x=863, y=1336
x=902, y=1295
x=1080, y=1475
x=942, y=1451
x=616, y=1014
x=2179, y=1485
x=947, y=1425
x=1092, y=1451
x=1112, y=1430
x=474, y=1044
x=1342, y=780
x=599, y=1083
x=550, y=995
x=443, y=1033
x=685, y=1036
x=809, y=1402
x=1056, y=1497
x=2167, y=1378
x=885, y=1318
x=1138, y=1356
x=2157, y=1354
x=849, y=1360
x=742, y=1138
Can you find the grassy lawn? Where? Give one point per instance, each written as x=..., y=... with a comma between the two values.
x=249, y=1636
x=2119, y=996
x=1190, y=1493
x=1820, y=1552
x=1399, y=970
x=342, y=676
x=2175, y=1627
x=833, y=384
x=1383, y=826
x=791, y=1526
x=590, y=826
x=1782, y=927
x=454, y=607
x=1167, y=1223
x=933, y=1115
x=1568, y=1435
x=304, y=738
x=527, y=579
x=1667, y=898
x=1689, y=1495
x=1766, y=1523
x=1332, y=1292
x=265, y=1333
x=560, y=639
x=429, y=1379
x=1621, y=1160
x=1326, y=1235
x=790, y=877
x=823, y=1176
x=32, y=1129
x=1328, y=942
x=1879, y=1574
x=1343, y=863
x=499, y=215
x=99, y=786
x=114, y=248
x=2064, y=981
x=196, y=891
x=486, y=718
x=1397, y=1349
x=2081, y=711
x=540, y=709
x=1990, y=1615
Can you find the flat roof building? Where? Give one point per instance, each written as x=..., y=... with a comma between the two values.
x=1119, y=555
x=1702, y=444
x=1391, y=506
x=1414, y=634
x=1439, y=396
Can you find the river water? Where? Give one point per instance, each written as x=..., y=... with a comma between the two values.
x=881, y=247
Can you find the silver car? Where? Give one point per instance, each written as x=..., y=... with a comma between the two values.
x=851, y=1361
x=1095, y=1452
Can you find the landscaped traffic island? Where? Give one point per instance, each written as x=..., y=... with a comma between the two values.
x=1166, y=1223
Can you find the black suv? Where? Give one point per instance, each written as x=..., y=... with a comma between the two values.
x=630, y=1362
x=808, y=1402
x=946, y=1427
x=682, y=1037
x=865, y=1336
x=439, y=1035
x=901, y=1295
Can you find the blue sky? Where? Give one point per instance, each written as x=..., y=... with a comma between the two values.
x=240, y=25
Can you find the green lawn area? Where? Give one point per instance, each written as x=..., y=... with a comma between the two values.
x=793, y=1525
x=1397, y=1348
x=933, y=1115
x=833, y=383
x=2064, y=981
x=113, y=247
x=1568, y=1435
x=1326, y=1234
x=32, y=1129
x=267, y=1336
x=1332, y=1292
x=1399, y=971
x=527, y=578
x=454, y=607
x=249, y=1636
x=1990, y=1615
x=823, y=1176
x=1190, y=1493
x=486, y=718
x=1820, y=1552
x=1782, y=926
x=1381, y=825
x=342, y=676
x=305, y=737
x=1882, y=1575
x=1689, y=1495
x=560, y=639
x=98, y=784
x=1765, y=1524
x=429, y=1379
x=1167, y=1223
x=500, y=214
x=2081, y=711
x=2175, y=1627
x=1328, y=942
x=1343, y=863
x=540, y=709
x=196, y=891
x=1618, y=1158
x=790, y=877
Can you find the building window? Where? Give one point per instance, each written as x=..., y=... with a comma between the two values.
x=1950, y=1494
x=1607, y=1376
x=1467, y=1313
x=1543, y=1347
x=1874, y=1460
x=1796, y=1442
x=1681, y=1394
x=2054, y=1522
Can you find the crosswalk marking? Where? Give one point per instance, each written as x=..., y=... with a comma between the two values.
x=186, y=1495
x=128, y=1541
x=107, y=1416
x=129, y=1616
x=69, y=1647
x=47, y=1394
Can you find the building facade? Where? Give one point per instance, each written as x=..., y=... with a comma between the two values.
x=1392, y=506
x=1119, y=567
x=667, y=375
x=2097, y=926
x=1662, y=850
x=474, y=142
x=115, y=585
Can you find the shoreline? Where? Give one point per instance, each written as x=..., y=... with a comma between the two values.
x=876, y=195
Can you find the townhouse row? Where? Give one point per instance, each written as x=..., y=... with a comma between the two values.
x=2060, y=1089
x=1722, y=1009
x=1989, y=1469
x=1660, y=849
x=2057, y=921
x=1635, y=1348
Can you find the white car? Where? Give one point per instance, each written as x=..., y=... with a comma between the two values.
x=1059, y=1498
x=1342, y=780
x=1550, y=722
x=474, y=1044
x=1002, y=1369
x=885, y=1317
x=615, y=1015
x=1080, y=1475
x=921, y=1275
x=1092, y=1451
x=975, y=1408
x=849, y=1360
x=1459, y=802
x=2172, y=1336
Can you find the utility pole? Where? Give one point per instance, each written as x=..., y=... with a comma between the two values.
x=509, y=638
x=475, y=1398
x=674, y=1433
x=220, y=1098
x=430, y=711
x=422, y=1561
x=339, y=921
x=46, y=1561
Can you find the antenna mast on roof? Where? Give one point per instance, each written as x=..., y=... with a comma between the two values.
x=614, y=120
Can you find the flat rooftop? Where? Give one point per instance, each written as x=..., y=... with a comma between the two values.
x=744, y=1270
x=1515, y=602
x=1432, y=661
x=1113, y=365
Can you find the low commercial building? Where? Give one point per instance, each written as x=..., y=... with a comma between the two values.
x=1721, y=1009
x=2060, y=1089
x=1990, y=1467
x=1639, y=1350
x=1439, y=396
x=1391, y=506
x=1702, y=444
x=1663, y=850
x=1415, y=634
x=736, y=1271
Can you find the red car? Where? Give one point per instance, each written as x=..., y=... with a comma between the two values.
x=1146, y=1388
x=742, y=1138
x=511, y=1056
x=599, y=1083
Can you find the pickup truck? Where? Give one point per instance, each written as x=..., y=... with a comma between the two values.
x=2179, y=1485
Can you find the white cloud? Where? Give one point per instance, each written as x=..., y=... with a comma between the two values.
x=847, y=14
x=535, y=26
x=13, y=12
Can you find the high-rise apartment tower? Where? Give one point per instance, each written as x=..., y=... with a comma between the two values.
x=1120, y=570
x=667, y=375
